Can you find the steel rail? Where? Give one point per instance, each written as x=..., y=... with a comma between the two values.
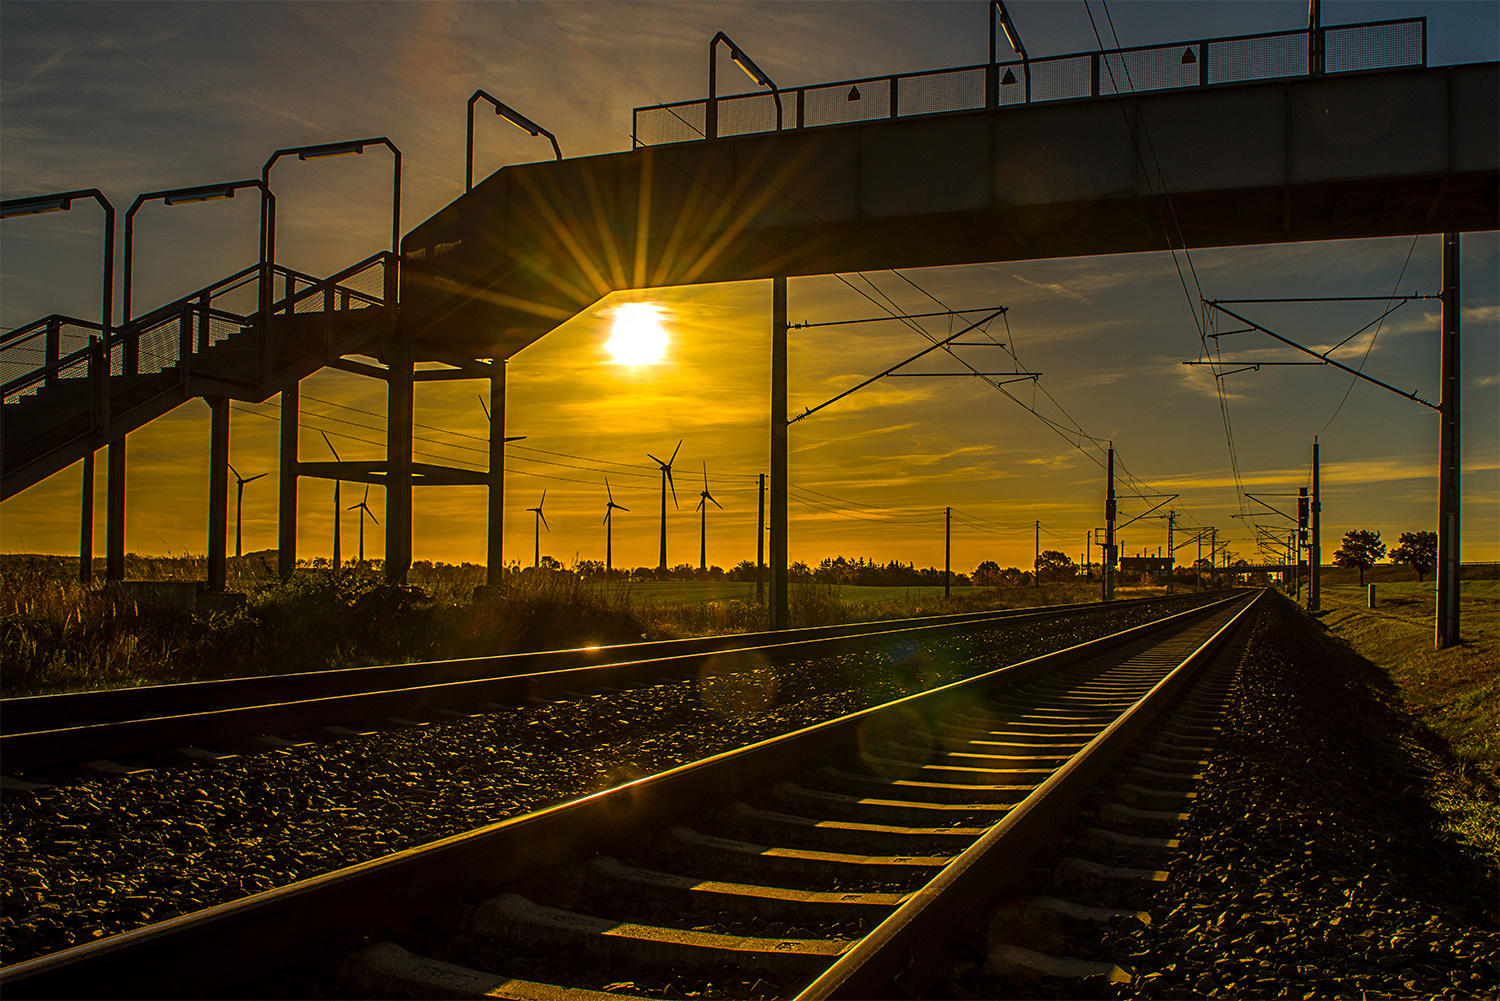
x=106, y=740
x=36, y=713
x=899, y=949
x=214, y=948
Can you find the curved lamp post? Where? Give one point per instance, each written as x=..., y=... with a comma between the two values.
x=508, y=113
x=62, y=202
x=744, y=62
x=291, y=395
x=218, y=449
x=1014, y=38
x=320, y=152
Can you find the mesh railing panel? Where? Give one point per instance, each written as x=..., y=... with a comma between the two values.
x=679, y=123
x=1147, y=69
x=1058, y=79
x=934, y=93
x=1265, y=58
x=834, y=104
x=1373, y=46
x=1348, y=48
x=159, y=346
x=750, y=113
x=368, y=283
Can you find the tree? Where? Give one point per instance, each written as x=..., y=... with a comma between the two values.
x=1417, y=550
x=987, y=574
x=1055, y=565
x=1361, y=548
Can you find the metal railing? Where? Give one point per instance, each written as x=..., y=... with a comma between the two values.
x=166, y=347
x=1206, y=62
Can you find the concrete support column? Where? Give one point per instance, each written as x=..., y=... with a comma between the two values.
x=86, y=523
x=1450, y=457
x=495, y=523
x=779, y=607
x=400, y=401
x=114, y=512
x=218, y=489
x=286, y=508
x=1315, y=543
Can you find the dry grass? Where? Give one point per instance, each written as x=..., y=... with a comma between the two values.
x=56, y=635
x=1454, y=693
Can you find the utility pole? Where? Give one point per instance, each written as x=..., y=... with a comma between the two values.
x=1449, y=455
x=1036, y=566
x=1315, y=551
x=1088, y=554
x=760, y=544
x=1171, y=559
x=947, y=551
x=1109, y=530
x=780, y=609
x=1198, y=566
x=1213, y=549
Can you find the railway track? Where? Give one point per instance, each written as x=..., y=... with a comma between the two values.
x=836, y=861
x=52, y=730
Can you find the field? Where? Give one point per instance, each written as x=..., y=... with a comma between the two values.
x=57, y=636
x=1454, y=693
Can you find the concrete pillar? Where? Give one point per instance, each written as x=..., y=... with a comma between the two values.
x=218, y=489
x=114, y=512
x=400, y=401
x=495, y=523
x=779, y=607
x=286, y=508
x=1450, y=456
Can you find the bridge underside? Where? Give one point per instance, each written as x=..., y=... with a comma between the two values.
x=1378, y=154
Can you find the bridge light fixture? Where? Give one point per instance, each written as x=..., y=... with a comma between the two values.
x=209, y=193
x=34, y=206
x=854, y=94
x=744, y=62
x=1188, y=58
x=333, y=149
x=1008, y=78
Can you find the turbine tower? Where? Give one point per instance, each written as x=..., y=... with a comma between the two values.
x=541, y=519
x=363, y=507
x=703, y=500
x=337, y=509
x=239, y=500
x=666, y=481
x=609, y=510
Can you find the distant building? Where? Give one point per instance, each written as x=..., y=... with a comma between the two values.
x=1158, y=567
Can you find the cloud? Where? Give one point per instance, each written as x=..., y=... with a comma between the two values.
x=1057, y=288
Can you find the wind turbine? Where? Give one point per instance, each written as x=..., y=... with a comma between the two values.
x=666, y=481
x=541, y=519
x=337, y=508
x=363, y=507
x=703, y=500
x=609, y=510
x=239, y=499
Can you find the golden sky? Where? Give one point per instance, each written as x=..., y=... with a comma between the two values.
x=138, y=98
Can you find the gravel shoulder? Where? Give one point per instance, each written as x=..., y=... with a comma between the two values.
x=89, y=858
x=1315, y=864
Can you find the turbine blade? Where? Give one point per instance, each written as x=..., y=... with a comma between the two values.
x=622, y=508
x=255, y=477
x=716, y=503
x=542, y=501
x=705, y=476
x=236, y=472
x=544, y=520
x=700, y=502
x=367, y=493
x=483, y=405
x=330, y=446
x=676, y=450
x=656, y=460
x=608, y=490
x=672, y=485
x=372, y=516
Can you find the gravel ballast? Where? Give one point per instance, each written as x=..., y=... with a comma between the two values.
x=89, y=858
x=1313, y=864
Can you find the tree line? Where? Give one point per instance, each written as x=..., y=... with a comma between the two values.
x=1363, y=548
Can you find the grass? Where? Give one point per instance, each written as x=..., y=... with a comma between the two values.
x=1454, y=693
x=58, y=636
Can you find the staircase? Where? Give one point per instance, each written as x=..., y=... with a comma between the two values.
x=69, y=390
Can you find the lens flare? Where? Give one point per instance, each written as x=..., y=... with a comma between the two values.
x=637, y=336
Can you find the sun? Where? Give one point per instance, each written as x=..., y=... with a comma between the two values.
x=637, y=336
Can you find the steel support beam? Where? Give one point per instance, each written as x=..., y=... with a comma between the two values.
x=114, y=512
x=399, y=405
x=495, y=522
x=86, y=523
x=779, y=607
x=218, y=489
x=286, y=508
x=1450, y=459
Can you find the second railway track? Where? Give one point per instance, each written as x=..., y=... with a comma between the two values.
x=826, y=862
